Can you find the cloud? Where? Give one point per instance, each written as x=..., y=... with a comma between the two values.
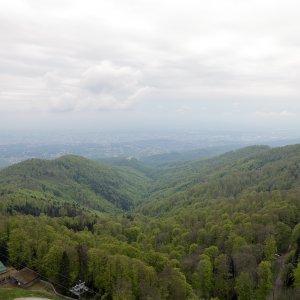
x=105, y=86
x=184, y=109
x=108, y=78
x=102, y=87
x=274, y=114
x=107, y=56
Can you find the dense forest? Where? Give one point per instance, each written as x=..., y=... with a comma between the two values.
x=202, y=229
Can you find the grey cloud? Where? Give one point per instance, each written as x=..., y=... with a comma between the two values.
x=72, y=56
x=109, y=78
x=105, y=86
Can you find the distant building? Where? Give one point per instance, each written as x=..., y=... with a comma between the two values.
x=25, y=277
x=3, y=269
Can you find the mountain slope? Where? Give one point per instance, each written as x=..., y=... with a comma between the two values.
x=73, y=178
x=256, y=168
x=166, y=160
x=205, y=229
x=184, y=175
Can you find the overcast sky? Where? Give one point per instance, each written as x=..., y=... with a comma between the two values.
x=167, y=64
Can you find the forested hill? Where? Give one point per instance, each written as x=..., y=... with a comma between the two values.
x=206, y=229
x=75, y=179
x=183, y=175
x=256, y=168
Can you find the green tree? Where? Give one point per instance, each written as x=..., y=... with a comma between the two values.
x=283, y=236
x=204, y=275
x=63, y=276
x=3, y=251
x=174, y=285
x=270, y=248
x=52, y=261
x=222, y=277
x=244, y=287
x=297, y=276
x=211, y=252
x=288, y=275
x=264, y=279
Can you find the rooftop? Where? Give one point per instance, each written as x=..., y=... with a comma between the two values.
x=2, y=267
x=25, y=276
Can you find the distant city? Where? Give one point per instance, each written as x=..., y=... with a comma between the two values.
x=16, y=147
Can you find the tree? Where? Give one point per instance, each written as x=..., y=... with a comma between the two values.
x=52, y=261
x=264, y=279
x=19, y=248
x=297, y=251
x=245, y=261
x=270, y=248
x=211, y=252
x=297, y=276
x=63, y=276
x=283, y=235
x=244, y=287
x=3, y=251
x=288, y=275
x=204, y=275
x=174, y=285
x=222, y=277
x=82, y=251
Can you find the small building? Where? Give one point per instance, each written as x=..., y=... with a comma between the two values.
x=25, y=277
x=3, y=269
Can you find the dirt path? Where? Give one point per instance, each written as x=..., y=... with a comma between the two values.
x=277, y=287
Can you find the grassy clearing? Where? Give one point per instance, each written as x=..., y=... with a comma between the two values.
x=17, y=293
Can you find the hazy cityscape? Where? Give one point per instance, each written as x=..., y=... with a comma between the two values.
x=96, y=145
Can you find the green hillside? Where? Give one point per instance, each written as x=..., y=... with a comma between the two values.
x=167, y=159
x=76, y=180
x=256, y=168
x=206, y=229
x=184, y=175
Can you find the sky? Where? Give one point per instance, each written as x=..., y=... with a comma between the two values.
x=149, y=64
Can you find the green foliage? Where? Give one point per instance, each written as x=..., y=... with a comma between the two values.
x=288, y=275
x=63, y=275
x=72, y=179
x=204, y=276
x=270, y=248
x=244, y=287
x=222, y=277
x=207, y=227
x=265, y=279
x=297, y=276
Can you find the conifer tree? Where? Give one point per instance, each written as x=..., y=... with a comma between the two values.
x=63, y=277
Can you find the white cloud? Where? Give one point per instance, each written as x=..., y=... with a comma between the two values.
x=274, y=114
x=73, y=55
x=184, y=109
x=105, y=86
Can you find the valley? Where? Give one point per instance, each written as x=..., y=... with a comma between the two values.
x=161, y=228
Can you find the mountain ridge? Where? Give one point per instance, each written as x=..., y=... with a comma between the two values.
x=192, y=230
